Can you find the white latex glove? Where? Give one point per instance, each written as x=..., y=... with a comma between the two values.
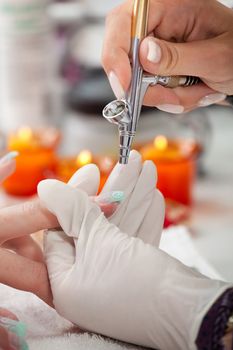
x=109, y=283
x=141, y=214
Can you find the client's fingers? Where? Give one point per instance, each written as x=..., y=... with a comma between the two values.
x=25, y=274
x=4, y=339
x=8, y=314
x=24, y=219
x=25, y=246
x=29, y=217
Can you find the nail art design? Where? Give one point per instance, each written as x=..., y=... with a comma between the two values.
x=109, y=198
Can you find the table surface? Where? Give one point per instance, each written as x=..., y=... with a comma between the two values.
x=211, y=224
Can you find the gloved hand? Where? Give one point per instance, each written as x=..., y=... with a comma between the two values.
x=107, y=282
x=141, y=214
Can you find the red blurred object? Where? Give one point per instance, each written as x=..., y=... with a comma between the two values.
x=176, y=165
x=175, y=213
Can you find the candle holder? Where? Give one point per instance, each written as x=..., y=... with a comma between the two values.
x=67, y=166
x=175, y=148
x=36, y=160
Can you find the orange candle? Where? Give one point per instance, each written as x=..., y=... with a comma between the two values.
x=176, y=166
x=66, y=167
x=36, y=160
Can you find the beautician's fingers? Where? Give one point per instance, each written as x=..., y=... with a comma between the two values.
x=212, y=63
x=144, y=215
x=181, y=99
x=116, y=49
x=63, y=201
x=123, y=178
x=25, y=246
x=87, y=179
x=151, y=228
x=24, y=274
x=139, y=202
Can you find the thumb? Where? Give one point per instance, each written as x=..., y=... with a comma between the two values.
x=191, y=58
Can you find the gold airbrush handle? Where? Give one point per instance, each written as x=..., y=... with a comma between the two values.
x=140, y=19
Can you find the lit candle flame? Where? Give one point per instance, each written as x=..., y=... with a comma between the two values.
x=84, y=157
x=160, y=143
x=25, y=134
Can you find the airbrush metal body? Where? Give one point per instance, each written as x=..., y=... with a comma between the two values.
x=126, y=112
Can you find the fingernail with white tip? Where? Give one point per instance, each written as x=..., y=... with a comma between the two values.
x=211, y=99
x=116, y=85
x=175, y=109
x=154, y=52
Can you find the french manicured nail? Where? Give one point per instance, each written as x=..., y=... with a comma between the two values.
x=9, y=156
x=211, y=99
x=109, y=198
x=116, y=85
x=154, y=52
x=175, y=109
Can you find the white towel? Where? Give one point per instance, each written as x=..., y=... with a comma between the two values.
x=48, y=331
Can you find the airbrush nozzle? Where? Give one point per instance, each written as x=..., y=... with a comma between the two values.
x=126, y=141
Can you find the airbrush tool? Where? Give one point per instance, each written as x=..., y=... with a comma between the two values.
x=126, y=112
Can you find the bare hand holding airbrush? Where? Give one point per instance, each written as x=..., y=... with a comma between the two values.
x=186, y=38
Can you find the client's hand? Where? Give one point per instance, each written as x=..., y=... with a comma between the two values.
x=24, y=246
x=107, y=282
x=22, y=273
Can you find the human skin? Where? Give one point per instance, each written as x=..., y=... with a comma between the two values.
x=193, y=37
x=19, y=271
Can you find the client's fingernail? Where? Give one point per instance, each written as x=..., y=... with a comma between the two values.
x=154, y=51
x=16, y=327
x=111, y=197
x=9, y=156
x=211, y=99
x=116, y=85
x=17, y=332
x=175, y=109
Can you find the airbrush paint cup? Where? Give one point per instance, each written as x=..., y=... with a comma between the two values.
x=17, y=332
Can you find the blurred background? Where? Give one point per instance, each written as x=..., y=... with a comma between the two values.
x=52, y=92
